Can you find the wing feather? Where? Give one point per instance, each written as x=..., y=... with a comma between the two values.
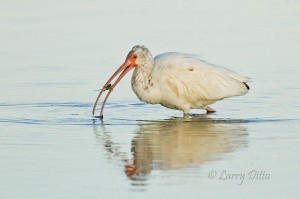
x=193, y=79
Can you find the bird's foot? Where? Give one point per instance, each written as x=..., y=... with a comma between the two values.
x=209, y=110
x=186, y=117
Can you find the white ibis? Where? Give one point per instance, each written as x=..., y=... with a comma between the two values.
x=176, y=80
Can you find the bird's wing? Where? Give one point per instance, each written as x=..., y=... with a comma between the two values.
x=191, y=78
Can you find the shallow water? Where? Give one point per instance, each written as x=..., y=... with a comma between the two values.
x=55, y=58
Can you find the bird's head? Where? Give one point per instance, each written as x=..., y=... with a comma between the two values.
x=138, y=55
x=135, y=58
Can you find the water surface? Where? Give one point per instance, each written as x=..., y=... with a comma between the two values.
x=56, y=55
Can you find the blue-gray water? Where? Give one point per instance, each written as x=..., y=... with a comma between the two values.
x=55, y=55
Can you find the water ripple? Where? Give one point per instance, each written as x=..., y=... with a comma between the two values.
x=79, y=113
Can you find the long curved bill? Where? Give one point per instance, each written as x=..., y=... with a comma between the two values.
x=124, y=68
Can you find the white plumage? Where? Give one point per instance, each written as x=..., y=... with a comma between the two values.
x=177, y=80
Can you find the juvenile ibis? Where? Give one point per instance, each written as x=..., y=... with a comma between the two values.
x=176, y=80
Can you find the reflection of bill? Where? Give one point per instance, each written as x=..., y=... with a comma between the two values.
x=176, y=143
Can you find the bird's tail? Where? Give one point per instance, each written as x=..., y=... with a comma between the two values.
x=247, y=86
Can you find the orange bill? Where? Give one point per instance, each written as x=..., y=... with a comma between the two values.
x=123, y=69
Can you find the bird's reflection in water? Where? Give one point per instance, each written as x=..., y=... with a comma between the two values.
x=178, y=143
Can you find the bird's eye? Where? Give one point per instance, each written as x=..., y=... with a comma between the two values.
x=135, y=56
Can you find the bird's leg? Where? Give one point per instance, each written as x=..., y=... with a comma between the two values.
x=186, y=110
x=186, y=117
x=209, y=110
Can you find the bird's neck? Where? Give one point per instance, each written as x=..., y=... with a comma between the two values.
x=142, y=83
